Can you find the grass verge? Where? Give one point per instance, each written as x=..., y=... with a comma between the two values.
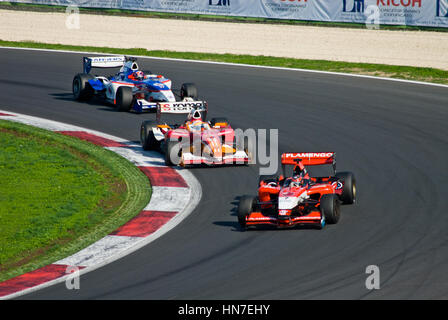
x=58, y=195
x=206, y=17
x=379, y=70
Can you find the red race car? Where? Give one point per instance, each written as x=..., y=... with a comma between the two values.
x=299, y=199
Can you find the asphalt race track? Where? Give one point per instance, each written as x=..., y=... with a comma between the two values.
x=392, y=135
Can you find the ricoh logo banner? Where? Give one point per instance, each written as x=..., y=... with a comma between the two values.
x=394, y=12
x=432, y=13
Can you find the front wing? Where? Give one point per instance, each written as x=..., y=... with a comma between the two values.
x=258, y=218
x=239, y=157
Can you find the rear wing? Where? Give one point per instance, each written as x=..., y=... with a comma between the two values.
x=310, y=158
x=181, y=107
x=102, y=62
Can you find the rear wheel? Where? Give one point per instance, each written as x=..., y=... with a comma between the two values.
x=245, y=208
x=330, y=208
x=82, y=91
x=267, y=179
x=147, y=138
x=173, y=153
x=348, y=195
x=221, y=121
x=189, y=90
x=124, y=99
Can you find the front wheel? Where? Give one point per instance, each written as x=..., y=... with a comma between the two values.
x=330, y=208
x=124, y=99
x=219, y=121
x=173, y=153
x=147, y=138
x=245, y=208
x=245, y=144
x=348, y=195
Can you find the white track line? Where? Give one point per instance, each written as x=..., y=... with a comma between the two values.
x=246, y=66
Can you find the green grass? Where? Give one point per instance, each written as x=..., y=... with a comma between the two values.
x=59, y=194
x=381, y=70
x=205, y=17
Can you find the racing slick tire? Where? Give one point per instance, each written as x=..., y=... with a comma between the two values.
x=245, y=207
x=249, y=149
x=267, y=179
x=147, y=138
x=244, y=144
x=124, y=98
x=330, y=208
x=189, y=90
x=348, y=195
x=82, y=91
x=214, y=121
x=173, y=153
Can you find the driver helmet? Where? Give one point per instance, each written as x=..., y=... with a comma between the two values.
x=196, y=125
x=194, y=115
x=300, y=170
x=138, y=75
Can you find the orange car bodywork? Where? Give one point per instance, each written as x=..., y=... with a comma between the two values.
x=216, y=141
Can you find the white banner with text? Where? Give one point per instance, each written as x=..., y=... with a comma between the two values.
x=431, y=13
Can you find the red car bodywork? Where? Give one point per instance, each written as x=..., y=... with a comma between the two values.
x=290, y=201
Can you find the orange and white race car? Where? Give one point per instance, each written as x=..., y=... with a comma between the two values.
x=195, y=141
x=299, y=199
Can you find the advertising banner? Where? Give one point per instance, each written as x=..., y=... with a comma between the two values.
x=432, y=13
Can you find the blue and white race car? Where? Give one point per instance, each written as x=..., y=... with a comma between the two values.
x=131, y=89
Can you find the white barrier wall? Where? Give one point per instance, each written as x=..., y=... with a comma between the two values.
x=432, y=13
